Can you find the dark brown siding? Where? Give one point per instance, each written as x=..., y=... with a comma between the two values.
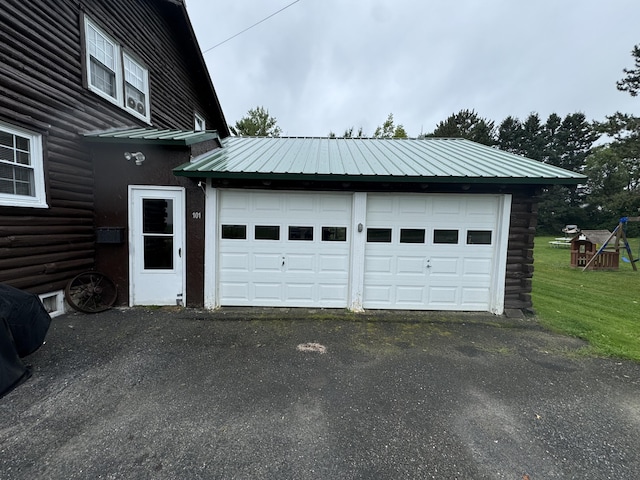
x=41, y=89
x=111, y=200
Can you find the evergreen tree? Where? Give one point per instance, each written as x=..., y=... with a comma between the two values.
x=510, y=136
x=631, y=83
x=467, y=124
x=257, y=123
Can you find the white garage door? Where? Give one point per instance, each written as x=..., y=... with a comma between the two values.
x=430, y=251
x=284, y=249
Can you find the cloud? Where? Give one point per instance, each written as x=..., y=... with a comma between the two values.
x=325, y=66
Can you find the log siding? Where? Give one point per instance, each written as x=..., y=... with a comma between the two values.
x=43, y=89
x=522, y=229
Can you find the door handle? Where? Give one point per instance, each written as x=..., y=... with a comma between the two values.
x=180, y=252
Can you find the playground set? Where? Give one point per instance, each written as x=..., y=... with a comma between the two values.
x=593, y=249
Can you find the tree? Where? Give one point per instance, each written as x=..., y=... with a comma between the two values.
x=467, y=124
x=631, y=83
x=614, y=186
x=561, y=142
x=568, y=141
x=510, y=136
x=389, y=130
x=257, y=123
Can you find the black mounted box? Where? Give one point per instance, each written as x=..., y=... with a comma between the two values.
x=110, y=235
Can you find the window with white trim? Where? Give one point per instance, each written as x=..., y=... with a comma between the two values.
x=21, y=168
x=199, y=123
x=114, y=74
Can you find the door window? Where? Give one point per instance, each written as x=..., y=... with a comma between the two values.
x=479, y=237
x=334, y=234
x=301, y=233
x=412, y=235
x=267, y=232
x=157, y=230
x=445, y=236
x=379, y=235
x=234, y=232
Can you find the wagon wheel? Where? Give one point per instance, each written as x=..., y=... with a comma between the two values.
x=91, y=292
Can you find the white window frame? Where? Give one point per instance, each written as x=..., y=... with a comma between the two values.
x=199, y=122
x=118, y=68
x=36, y=163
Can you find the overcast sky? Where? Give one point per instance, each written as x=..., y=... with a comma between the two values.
x=326, y=65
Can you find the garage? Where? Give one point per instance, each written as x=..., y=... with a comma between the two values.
x=284, y=249
x=305, y=249
x=357, y=223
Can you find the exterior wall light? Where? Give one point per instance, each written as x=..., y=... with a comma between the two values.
x=138, y=157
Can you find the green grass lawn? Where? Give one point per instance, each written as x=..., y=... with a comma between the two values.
x=602, y=307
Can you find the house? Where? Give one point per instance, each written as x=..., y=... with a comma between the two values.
x=115, y=155
x=84, y=87
x=432, y=224
x=585, y=246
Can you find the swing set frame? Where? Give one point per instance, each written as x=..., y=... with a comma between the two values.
x=620, y=235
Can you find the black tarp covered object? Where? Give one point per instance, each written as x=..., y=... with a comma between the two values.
x=24, y=323
x=12, y=370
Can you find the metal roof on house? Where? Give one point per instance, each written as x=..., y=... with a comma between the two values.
x=371, y=159
x=152, y=136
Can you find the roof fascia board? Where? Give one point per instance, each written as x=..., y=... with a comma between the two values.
x=179, y=171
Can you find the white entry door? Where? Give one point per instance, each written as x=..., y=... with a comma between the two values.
x=156, y=246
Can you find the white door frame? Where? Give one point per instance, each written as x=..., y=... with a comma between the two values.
x=211, y=299
x=180, y=254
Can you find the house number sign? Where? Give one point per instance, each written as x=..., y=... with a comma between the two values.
x=196, y=215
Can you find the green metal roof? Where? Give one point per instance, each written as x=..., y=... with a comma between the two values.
x=368, y=159
x=152, y=136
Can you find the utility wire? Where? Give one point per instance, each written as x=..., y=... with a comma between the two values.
x=249, y=28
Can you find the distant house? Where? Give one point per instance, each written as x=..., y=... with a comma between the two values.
x=69, y=72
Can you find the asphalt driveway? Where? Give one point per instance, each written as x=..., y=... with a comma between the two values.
x=249, y=394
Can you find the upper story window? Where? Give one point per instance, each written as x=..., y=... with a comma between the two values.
x=21, y=168
x=199, y=123
x=114, y=74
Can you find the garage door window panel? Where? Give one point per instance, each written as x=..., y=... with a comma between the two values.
x=379, y=235
x=412, y=235
x=449, y=237
x=301, y=233
x=479, y=237
x=234, y=232
x=334, y=234
x=267, y=232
